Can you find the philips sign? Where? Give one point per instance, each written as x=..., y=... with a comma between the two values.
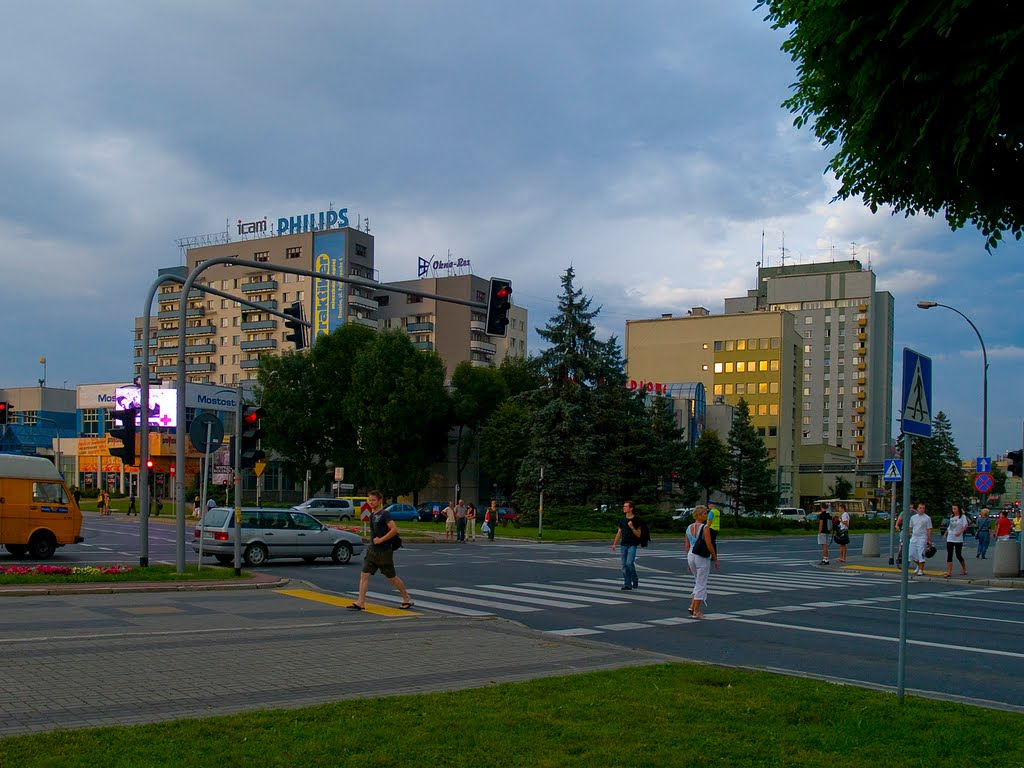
x=312, y=222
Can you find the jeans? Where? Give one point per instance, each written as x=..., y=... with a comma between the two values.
x=629, y=565
x=983, y=539
x=460, y=524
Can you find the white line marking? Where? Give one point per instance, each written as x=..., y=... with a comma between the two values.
x=624, y=626
x=487, y=591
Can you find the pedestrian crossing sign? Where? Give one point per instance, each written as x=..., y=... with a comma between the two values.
x=916, y=410
x=892, y=472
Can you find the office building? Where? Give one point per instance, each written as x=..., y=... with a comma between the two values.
x=846, y=326
x=755, y=357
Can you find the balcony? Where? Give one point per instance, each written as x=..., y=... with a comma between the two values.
x=367, y=321
x=196, y=349
x=861, y=395
x=478, y=325
x=259, y=325
x=200, y=368
x=862, y=336
x=138, y=343
x=248, y=365
x=414, y=327
x=424, y=345
x=859, y=453
x=171, y=314
x=859, y=438
x=862, y=351
x=481, y=363
x=176, y=295
x=860, y=409
x=862, y=321
x=482, y=346
x=861, y=366
x=862, y=380
x=259, y=344
x=260, y=287
x=268, y=304
x=363, y=302
x=167, y=369
x=201, y=330
x=859, y=424
x=167, y=333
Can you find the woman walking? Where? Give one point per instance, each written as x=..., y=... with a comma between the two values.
x=955, y=540
x=984, y=533
x=700, y=553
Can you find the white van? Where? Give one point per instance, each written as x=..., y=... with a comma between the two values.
x=791, y=513
x=37, y=513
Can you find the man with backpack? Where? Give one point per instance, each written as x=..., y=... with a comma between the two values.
x=824, y=531
x=629, y=534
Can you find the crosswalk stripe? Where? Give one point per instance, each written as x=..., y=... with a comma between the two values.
x=677, y=590
x=687, y=583
x=554, y=591
x=585, y=587
x=436, y=606
x=473, y=601
x=515, y=597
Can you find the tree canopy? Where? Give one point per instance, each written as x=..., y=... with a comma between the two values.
x=919, y=100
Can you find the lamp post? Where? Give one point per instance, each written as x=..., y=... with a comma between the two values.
x=984, y=360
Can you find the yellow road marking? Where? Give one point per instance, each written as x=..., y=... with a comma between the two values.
x=320, y=597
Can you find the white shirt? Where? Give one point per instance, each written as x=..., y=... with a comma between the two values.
x=920, y=525
x=844, y=521
x=957, y=526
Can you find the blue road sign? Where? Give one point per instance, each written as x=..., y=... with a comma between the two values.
x=916, y=406
x=892, y=471
x=983, y=464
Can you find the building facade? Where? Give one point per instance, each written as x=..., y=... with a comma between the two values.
x=846, y=327
x=754, y=357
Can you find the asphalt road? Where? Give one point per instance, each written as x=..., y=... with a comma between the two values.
x=771, y=606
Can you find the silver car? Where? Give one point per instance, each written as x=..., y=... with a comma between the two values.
x=272, y=533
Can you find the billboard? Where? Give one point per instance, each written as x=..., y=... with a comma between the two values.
x=328, y=295
x=163, y=404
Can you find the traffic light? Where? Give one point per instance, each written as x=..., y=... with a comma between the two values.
x=499, y=302
x=126, y=434
x=5, y=412
x=296, y=325
x=252, y=434
x=1014, y=467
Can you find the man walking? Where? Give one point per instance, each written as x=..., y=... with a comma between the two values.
x=824, y=526
x=131, y=505
x=920, y=538
x=379, y=555
x=629, y=535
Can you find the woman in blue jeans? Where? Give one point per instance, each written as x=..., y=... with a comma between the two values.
x=984, y=533
x=629, y=535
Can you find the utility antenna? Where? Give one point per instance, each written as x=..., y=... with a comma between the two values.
x=783, y=250
x=762, y=249
x=853, y=250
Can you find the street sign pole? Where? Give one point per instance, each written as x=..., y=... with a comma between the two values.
x=901, y=661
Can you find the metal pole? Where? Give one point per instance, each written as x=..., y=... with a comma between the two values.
x=540, y=509
x=901, y=662
x=237, y=482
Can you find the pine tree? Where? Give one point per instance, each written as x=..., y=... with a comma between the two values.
x=937, y=477
x=575, y=356
x=710, y=463
x=750, y=483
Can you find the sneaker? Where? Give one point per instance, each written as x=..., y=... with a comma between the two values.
x=918, y=572
x=625, y=589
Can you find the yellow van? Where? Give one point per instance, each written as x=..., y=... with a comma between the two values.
x=357, y=502
x=37, y=513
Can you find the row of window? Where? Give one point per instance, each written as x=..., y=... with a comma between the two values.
x=748, y=366
x=748, y=388
x=809, y=319
x=730, y=345
x=820, y=304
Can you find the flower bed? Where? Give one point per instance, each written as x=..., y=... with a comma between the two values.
x=63, y=570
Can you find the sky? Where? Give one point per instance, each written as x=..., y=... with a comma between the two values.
x=643, y=145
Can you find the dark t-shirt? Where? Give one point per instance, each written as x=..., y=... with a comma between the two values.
x=629, y=539
x=379, y=527
x=826, y=518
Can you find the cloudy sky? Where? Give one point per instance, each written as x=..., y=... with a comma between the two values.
x=644, y=145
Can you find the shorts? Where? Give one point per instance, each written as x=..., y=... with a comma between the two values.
x=824, y=538
x=917, y=547
x=379, y=558
x=449, y=526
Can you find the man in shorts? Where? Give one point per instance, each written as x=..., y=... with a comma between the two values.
x=824, y=531
x=379, y=555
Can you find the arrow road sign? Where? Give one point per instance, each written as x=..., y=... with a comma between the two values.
x=983, y=464
x=916, y=410
x=893, y=471
x=983, y=482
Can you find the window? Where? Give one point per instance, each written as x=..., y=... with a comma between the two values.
x=718, y=346
x=773, y=431
x=729, y=389
x=773, y=365
x=413, y=299
x=807, y=406
x=807, y=391
x=807, y=363
x=704, y=367
x=718, y=367
x=762, y=388
x=773, y=409
x=730, y=345
x=760, y=431
x=807, y=420
x=360, y=249
x=751, y=343
x=234, y=340
x=741, y=367
x=808, y=320
x=805, y=434
x=773, y=387
x=807, y=377
x=719, y=389
x=776, y=342
x=261, y=256
x=762, y=410
x=762, y=365
x=764, y=344
x=741, y=389
x=293, y=253
x=808, y=334
x=703, y=346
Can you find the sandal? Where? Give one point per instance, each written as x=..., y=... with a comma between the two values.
x=406, y=606
x=355, y=607
x=698, y=615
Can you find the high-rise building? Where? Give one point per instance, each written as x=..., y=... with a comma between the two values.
x=754, y=357
x=224, y=340
x=846, y=327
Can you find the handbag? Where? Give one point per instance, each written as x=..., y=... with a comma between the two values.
x=700, y=547
x=841, y=537
x=485, y=528
x=930, y=551
x=396, y=542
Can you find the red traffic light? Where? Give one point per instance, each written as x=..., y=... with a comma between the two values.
x=149, y=463
x=251, y=418
x=504, y=292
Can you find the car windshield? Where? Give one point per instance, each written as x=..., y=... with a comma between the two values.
x=217, y=517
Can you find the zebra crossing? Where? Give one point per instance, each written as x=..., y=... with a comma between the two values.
x=613, y=561
x=599, y=592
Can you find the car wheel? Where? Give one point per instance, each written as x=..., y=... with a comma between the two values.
x=18, y=550
x=42, y=545
x=345, y=518
x=255, y=554
x=309, y=558
x=224, y=559
x=342, y=552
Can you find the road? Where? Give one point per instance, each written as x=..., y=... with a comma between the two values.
x=771, y=606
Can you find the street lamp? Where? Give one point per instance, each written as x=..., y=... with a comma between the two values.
x=984, y=360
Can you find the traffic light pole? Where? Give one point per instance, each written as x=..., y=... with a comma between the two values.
x=180, y=374
x=237, y=480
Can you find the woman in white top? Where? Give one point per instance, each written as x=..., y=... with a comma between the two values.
x=955, y=540
x=700, y=553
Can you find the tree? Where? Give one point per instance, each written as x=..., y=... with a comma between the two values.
x=476, y=393
x=710, y=463
x=750, y=482
x=843, y=488
x=937, y=476
x=574, y=358
x=504, y=443
x=917, y=98
x=290, y=395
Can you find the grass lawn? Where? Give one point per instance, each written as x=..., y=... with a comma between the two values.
x=137, y=573
x=668, y=715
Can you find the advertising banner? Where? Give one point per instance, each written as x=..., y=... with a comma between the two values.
x=328, y=295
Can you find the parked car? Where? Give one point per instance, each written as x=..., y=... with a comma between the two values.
x=431, y=511
x=791, y=513
x=683, y=514
x=402, y=512
x=272, y=533
x=328, y=509
x=507, y=516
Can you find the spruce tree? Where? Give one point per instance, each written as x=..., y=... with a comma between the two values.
x=751, y=483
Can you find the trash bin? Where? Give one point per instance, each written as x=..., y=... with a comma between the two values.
x=870, y=548
x=1007, y=559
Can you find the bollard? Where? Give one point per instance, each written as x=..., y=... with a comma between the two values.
x=1006, y=559
x=870, y=545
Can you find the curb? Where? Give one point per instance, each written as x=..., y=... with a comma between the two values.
x=259, y=581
